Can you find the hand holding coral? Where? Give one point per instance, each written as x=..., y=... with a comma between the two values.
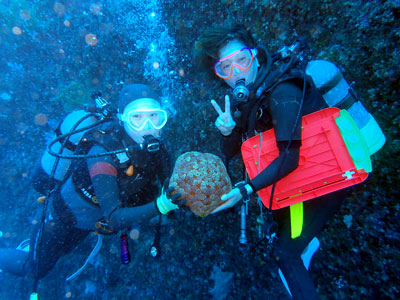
x=169, y=200
x=233, y=197
x=224, y=122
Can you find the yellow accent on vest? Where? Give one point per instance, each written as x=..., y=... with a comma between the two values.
x=41, y=199
x=129, y=171
x=296, y=219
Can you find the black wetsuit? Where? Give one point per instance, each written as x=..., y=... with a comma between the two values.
x=98, y=190
x=278, y=108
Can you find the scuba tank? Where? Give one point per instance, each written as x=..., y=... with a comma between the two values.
x=57, y=159
x=48, y=161
x=338, y=93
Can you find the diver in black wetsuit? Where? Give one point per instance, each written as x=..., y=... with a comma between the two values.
x=101, y=194
x=264, y=98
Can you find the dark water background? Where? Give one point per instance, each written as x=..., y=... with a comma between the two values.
x=53, y=54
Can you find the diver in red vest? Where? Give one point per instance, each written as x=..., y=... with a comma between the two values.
x=266, y=97
x=115, y=186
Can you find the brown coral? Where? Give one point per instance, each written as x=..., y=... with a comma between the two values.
x=202, y=179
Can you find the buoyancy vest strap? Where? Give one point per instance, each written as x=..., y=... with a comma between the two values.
x=330, y=84
x=296, y=219
x=346, y=102
x=67, y=143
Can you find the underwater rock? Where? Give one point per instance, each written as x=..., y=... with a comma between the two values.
x=202, y=179
x=222, y=283
x=74, y=95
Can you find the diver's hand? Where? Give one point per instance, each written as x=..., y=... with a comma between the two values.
x=231, y=198
x=169, y=200
x=224, y=122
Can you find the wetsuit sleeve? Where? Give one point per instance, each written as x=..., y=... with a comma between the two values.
x=103, y=173
x=284, y=105
x=286, y=162
x=230, y=145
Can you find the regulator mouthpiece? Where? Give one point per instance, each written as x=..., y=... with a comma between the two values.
x=150, y=143
x=240, y=92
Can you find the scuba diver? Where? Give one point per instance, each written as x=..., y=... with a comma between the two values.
x=114, y=185
x=266, y=97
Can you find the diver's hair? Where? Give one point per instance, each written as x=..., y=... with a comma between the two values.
x=213, y=39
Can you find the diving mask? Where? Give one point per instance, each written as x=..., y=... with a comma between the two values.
x=144, y=114
x=241, y=59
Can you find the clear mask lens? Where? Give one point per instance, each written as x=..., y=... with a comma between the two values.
x=145, y=119
x=240, y=60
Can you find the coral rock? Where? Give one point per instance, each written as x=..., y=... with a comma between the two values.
x=202, y=179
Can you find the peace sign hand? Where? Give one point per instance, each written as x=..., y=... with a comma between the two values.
x=224, y=122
